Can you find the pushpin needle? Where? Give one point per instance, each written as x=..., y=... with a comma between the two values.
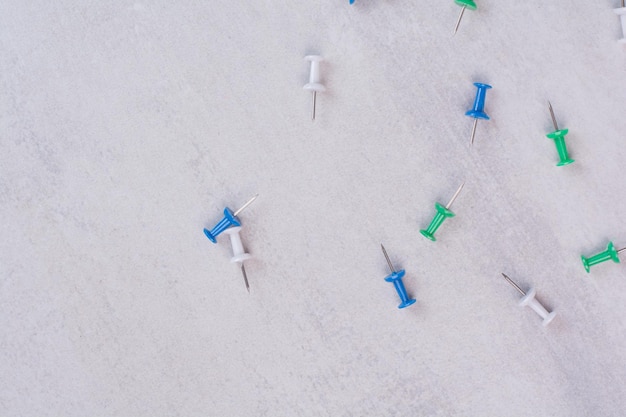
x=458, y=22
x=242, y=208
x=387, y=258
x=513, y=284
x=556, y=126
x=245, y=277
x=314, y=100
x=456, y=194
x=473, y=131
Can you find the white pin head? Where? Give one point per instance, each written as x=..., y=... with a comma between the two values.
x=314, y=85
x=621, y=11
x=239, y=254
x=530, y=301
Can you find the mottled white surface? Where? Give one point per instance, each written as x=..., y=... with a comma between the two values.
x=127, y=126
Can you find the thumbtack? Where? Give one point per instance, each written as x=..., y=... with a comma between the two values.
x=314, y=84
x=396, y=278
x=621, y=11
x=239, y=254
x=230, y=219
x=609, y=253
x=530, y=301
x=465, y=4
x=442, y=214
x=559, y=140
x=477, y=111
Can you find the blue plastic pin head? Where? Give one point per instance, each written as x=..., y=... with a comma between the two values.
x=229, y=220
x=478, y=109
x=396, y=278
x=351, y=1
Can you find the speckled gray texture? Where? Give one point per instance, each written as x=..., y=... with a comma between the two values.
x=127, y=126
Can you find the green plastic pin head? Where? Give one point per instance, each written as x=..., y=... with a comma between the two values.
x=466, y=3
x=442, y=214
x=559, y=140
x=609, y=254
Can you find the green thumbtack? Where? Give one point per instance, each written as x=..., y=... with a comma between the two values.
x=609, y=253
x=559, y=140
x=465, y=4
x=442, y=214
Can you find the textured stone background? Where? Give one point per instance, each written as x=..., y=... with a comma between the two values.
x=127, y=127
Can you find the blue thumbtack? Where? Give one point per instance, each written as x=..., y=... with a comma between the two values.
x=477, y=111
x=351, y=1
x=396, y=278
x=230, y=219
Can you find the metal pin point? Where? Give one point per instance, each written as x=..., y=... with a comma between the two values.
x=458, y=22
x=456, y=194
x=465, y=4
x=623, y=249
x=473, y=132
x=245, y=277
x=556, y=126
x=242, y=208
x=387, y=258
x=513, y=283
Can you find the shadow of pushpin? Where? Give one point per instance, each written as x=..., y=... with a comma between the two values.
x=465, y=4
x=314, y=83
x=239, y=254
x=621, y=11
x=478, y=109
x=442, y=214
x=396, y=279
x=229, y=220
x=609, y=254
x=530, y=301
x=559, y=140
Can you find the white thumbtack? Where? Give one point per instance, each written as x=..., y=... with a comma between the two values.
x=314, y=83
x=621, y=11
x=530, y=301
x=239, y=254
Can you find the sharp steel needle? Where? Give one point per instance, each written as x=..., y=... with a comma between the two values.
x=245, y=205
x=455, y=196
x=387, y=258
x=513, y=284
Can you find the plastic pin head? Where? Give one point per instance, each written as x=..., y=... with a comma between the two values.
x=396, y=278
x=230, y=220
x=528, y=299
x=609, y=254
x=442, y=214
x=239, y=254
x=622, y=16
x=314, y=85
x=559, y=140
x=478, y=109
